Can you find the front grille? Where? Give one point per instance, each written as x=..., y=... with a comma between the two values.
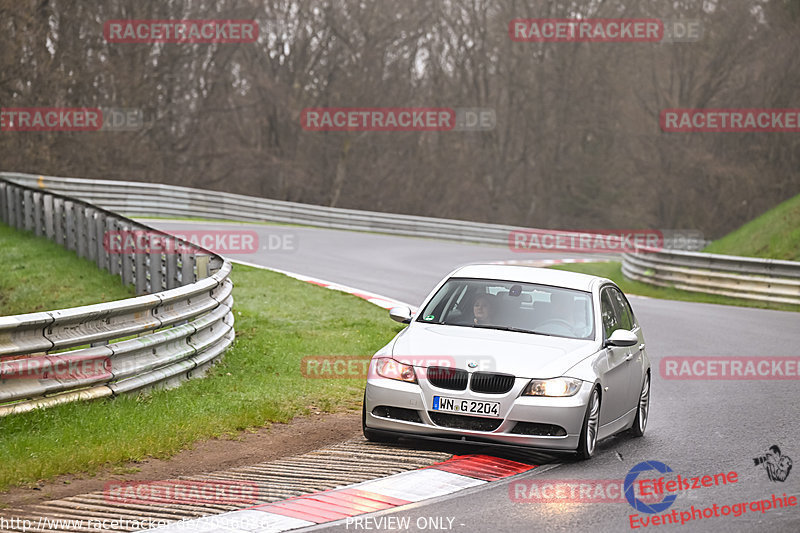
x=492, y=383
x=397, y=413
x=473, y=423
x=446, y=377
x=540, y=430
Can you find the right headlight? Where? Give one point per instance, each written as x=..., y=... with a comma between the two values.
x=553, y=387
x=391, y=369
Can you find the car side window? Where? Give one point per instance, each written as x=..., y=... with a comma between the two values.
x=610, y=320
x=621, y=309
x=627, y=307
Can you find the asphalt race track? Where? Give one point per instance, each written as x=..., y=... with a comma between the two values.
x=696, y=427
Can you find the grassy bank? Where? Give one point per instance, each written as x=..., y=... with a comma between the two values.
x=39, y=275
x=279, y=321
x=773, y=235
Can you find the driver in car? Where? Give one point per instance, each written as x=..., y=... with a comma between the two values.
x=481, y=310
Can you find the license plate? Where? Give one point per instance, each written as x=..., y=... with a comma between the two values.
x=470, y=407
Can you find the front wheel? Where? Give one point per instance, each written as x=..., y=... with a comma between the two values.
x=642, y=409
x=591, y=425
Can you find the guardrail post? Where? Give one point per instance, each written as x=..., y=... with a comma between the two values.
x=27, y=210
x=8, y=217
x=81, y=216
x=7, y=196
x=16, y=209
x=127, y=263
x=3, y=202
x=201, y=261
x=47, y=208
x=187, y=268
x=70, y=238
x=99, y=232
x=38, y=226
x=172, y=267
x=16, y=213
x=139, y=271
x=214, y=264
x=91, y=235
x=59, y=225
x=114, y=258
x=13, y=206
x=156, y=273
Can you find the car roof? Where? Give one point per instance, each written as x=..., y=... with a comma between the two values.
x=531, y=274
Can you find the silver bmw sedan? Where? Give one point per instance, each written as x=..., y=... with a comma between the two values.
x=512, y=355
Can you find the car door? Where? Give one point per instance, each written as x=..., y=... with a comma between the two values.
x=635, y=357
x=614, y=364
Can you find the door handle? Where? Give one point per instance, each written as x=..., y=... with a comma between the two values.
x=641, y=347
x=630, y=356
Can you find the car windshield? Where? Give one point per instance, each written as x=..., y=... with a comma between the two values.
x=512, y=306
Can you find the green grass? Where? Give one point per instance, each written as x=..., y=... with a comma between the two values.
x=279, y=320
x=773, y=235
x=39, y=275
x=613, y=271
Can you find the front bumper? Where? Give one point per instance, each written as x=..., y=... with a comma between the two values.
x=567, y=413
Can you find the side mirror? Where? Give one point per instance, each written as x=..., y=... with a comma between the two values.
x=621, y=338
x=400, y=314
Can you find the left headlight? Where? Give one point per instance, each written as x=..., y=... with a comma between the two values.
x=553, y=387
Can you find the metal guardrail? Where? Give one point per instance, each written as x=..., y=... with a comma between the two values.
x=151, y=199
x=181, y=322
x=671, y=266
x=766, y=280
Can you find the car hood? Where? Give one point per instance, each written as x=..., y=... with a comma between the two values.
x=522, y=354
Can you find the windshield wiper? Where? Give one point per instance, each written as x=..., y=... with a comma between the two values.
x=502, y=328
x=511, y=328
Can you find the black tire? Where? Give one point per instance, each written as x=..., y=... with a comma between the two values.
x=587, y=442
x=642, y=409
x=370, y=434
